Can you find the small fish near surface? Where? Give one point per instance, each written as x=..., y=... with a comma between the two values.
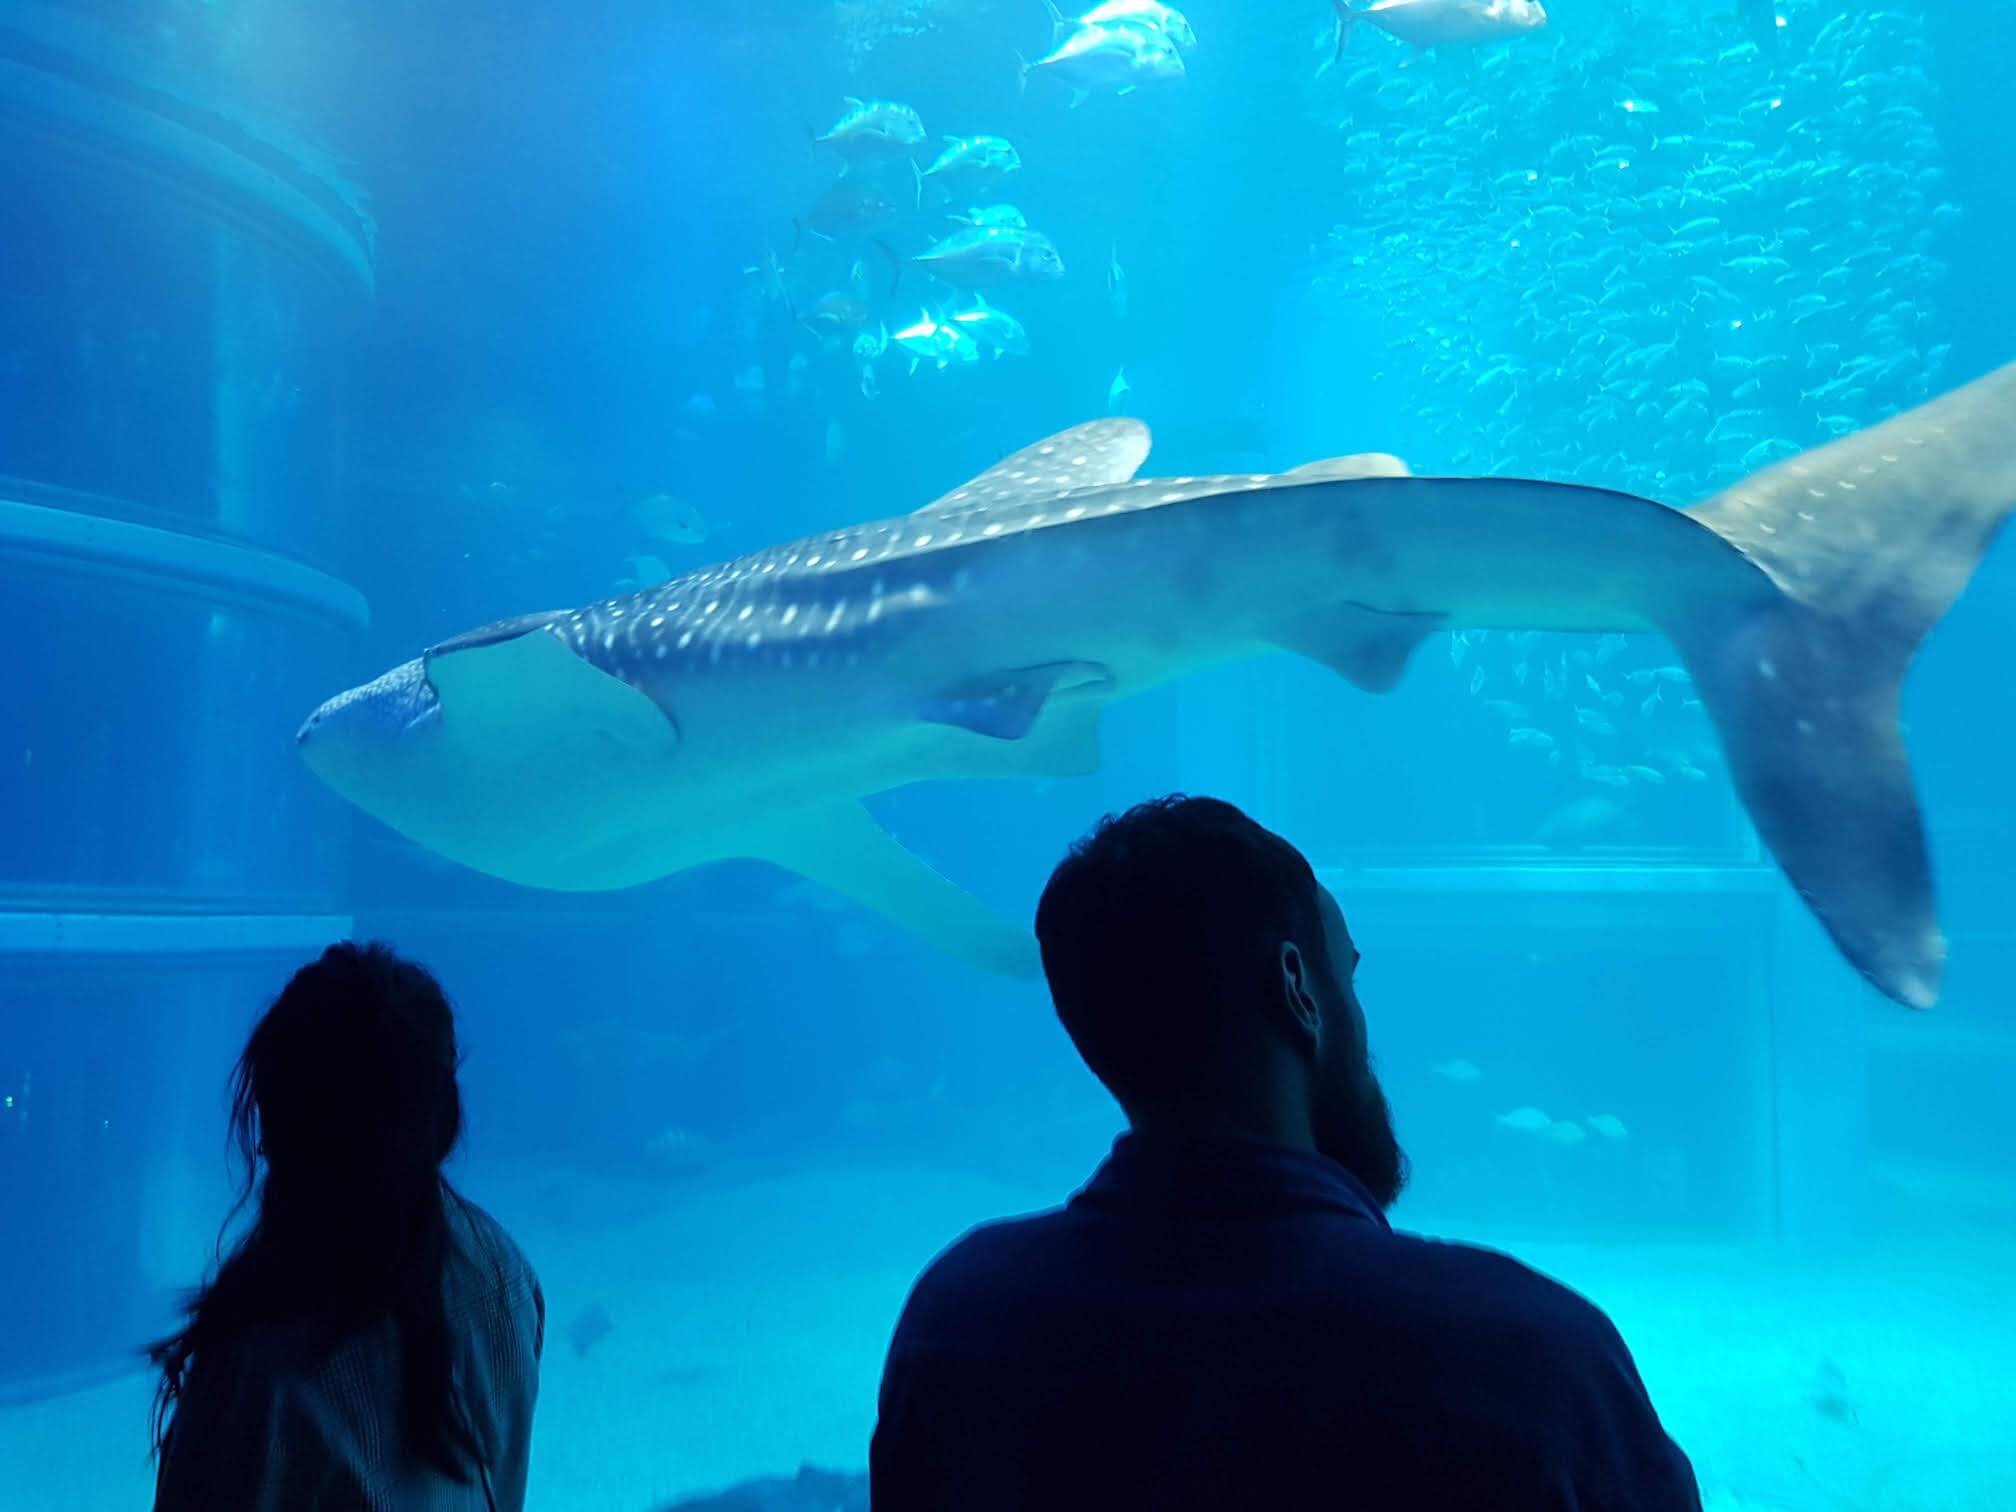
x=747, y=708
x=870, y=129
x=1457, y=1070
x=1440, y=23
x=1525, y=1120
x=1116, y=56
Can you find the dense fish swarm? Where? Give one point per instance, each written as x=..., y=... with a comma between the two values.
x=1653, y=278
x=865, y=25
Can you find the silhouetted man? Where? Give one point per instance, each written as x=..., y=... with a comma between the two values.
x=1222, y=1318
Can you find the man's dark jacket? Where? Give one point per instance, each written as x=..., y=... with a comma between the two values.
x=1234, y=1325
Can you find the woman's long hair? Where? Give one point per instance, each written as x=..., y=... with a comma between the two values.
x=346, y=1094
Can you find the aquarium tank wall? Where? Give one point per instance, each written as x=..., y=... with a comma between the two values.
x=331, y=335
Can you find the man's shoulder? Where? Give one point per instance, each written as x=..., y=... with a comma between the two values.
x=1437, y=1285
x=1473, y=1285
x=1005, y=1240
x=1478, y=1268
x=998, y=1253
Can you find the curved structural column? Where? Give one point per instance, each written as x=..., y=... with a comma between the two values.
x=175, y=338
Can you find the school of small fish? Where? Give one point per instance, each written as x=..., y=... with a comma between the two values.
x=1620, y=283
x=1535, y=1121
x=1567, y=1131
x=1632, y=285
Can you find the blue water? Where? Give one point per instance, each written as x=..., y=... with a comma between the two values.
x=329, y=333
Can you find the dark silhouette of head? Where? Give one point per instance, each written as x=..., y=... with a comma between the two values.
x=344, y=1105
x=1207, y=979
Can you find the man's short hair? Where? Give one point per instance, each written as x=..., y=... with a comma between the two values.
x=1160, y=929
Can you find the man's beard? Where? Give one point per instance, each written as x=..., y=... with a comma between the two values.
x=1357, y=1133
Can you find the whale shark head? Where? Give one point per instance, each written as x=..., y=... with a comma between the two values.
x=380, y=745
x=502, y=750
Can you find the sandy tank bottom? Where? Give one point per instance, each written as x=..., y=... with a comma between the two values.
x=746, y=1322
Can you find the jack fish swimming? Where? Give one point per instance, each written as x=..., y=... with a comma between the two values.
x=987, y=255
x=971, y=163
x=1441, y=23
x=1120, y=56
x=873, y=129
x=746, y=709
x=937, y=341
x=997, y=330
x=1166, y=19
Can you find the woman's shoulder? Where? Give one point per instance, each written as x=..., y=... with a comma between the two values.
x=488, y=1245
x=495, y=1283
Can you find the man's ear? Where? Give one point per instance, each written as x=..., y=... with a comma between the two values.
x=1298, y=991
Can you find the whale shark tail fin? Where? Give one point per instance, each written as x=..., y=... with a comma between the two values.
x=1870, y=540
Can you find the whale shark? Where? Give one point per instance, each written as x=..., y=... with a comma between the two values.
x=745, y=709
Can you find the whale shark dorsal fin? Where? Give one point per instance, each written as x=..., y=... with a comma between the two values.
x=487, y=689
x=1343, y=469
x=1367, y=647
x=842, y=847
x=1097, y=454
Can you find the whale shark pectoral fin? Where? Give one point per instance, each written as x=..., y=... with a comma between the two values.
x=1007, y=704
x=533, y=688
x=1065, y=742
x=845, y=849
x=1367, y=646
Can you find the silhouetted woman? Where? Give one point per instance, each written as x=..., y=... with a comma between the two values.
x=372, y=1342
